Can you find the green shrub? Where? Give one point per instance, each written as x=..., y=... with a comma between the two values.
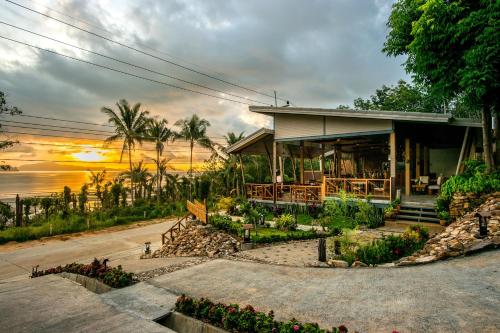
x=283, y=237
x=392, y=247
x=473, y=180
x=243, y=320
x=369, y=215
x=225, y=203
x=112, y=276
x=224, y=223
x=286, y=222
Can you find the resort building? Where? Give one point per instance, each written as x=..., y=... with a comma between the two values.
x=383, y=155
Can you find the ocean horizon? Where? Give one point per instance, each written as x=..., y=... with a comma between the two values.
x=44, y=183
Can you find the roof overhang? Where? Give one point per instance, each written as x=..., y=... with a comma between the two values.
x=367, y=114
x=250, y=140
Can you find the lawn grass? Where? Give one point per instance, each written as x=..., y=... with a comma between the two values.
x=75, y=222
x=271, y=235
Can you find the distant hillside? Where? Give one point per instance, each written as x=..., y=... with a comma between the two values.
x=52, y=166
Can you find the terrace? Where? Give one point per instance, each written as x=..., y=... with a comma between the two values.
x=314, y=154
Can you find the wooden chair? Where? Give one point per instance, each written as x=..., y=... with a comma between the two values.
x=436, y=187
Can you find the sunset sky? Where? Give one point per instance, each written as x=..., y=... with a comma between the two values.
x=314, y=53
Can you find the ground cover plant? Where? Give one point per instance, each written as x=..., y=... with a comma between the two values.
x=112, y=276
x=71, y=221
x=348, y=212
x=474, y=179
x=387, y=249
x=244, y=320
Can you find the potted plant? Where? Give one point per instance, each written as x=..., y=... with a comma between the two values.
x=444, y=218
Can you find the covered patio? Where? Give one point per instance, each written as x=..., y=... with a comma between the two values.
x=379, y=155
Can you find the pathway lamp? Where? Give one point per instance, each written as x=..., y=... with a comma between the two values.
x=147, y=248
x=246, y=232
x=261, y=219
x=483, y=218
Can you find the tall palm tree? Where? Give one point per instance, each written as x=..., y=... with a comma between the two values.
x=231, y=138
x=160, y=134
x=130, y=125
x=194, y=130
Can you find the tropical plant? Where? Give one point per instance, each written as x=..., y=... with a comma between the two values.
x=130, y=124
x=6, y=214
x=96, y=180
x=5, y=109
x=160, y=134
x=83, y=197
x=194, y=131
x=286, y=222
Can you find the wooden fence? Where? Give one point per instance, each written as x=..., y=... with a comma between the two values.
x=199, y=210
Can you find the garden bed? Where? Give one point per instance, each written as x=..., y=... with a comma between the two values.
x=113, y=277
x=219, y=318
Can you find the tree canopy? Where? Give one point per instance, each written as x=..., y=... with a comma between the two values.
x=452, y=48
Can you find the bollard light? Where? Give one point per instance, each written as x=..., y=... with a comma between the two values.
x=261, y=219
x=246, y=232
x=483, y=223
x=147, y=248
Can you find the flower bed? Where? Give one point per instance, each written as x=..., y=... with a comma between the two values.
x=112, y=276
x=242, y=320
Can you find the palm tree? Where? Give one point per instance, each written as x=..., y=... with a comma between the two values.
x=231, y=138
x=162, y=166
x=130, y=125
x=159, y=133
x=194, y=130
x=96, y=179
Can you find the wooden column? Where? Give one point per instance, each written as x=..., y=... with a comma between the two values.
x=393, y=161
x=281, y=168
x=417, y=160
x=426, y=161
x=462, y=151
x=407, y=167
x=322, y=164
x=274, y=171
x=302, y=162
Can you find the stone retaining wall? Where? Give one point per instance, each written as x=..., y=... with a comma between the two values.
x=463, y=203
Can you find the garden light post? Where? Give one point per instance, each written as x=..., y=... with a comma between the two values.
x=483, y=223
x=261, y=219
x=322, y=250
x=147, y=248
x=246, y=232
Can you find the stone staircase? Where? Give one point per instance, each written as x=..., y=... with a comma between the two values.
x=417, y=212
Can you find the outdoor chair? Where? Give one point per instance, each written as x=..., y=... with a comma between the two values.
x=436, y=187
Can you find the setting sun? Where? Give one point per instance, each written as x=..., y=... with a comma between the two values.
x=89, y=156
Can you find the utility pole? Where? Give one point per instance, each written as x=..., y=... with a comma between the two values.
x=275, y=99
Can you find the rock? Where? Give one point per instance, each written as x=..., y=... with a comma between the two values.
x=425, y=260
x=198, y=241
x=338, y=263
x=358, y=264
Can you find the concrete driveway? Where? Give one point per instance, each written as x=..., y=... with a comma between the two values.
x=461, y=295
x=121, y=247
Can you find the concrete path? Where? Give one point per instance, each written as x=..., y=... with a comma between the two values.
x=52, y=304
x=461, y=295
x=121, y=247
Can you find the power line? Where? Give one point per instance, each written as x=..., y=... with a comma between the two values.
x=123, y=72
x=140, y=51
x=79, y=122
x=133, y=65
x=108, y=148
x=60, y=136
x=57, y=126
x=140, y=45
x=70, y=161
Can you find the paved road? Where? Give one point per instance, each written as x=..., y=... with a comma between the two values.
x=461, y=295
x=51, y=304
x=121, y=247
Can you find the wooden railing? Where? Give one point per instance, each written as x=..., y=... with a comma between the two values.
x=306, y=193
x=360, y=187
x=199, y=210
x=175, y=229
x=284, y=192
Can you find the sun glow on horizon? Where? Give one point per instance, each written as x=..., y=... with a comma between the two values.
x=89, y=156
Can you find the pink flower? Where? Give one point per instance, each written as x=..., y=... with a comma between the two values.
x=296, y=327
x=395, y=331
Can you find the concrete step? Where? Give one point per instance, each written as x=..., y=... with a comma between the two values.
x=417, y=218
x=418, y=212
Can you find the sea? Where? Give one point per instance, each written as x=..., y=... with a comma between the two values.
x=42, y=183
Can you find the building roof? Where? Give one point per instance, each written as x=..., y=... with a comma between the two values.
x=248, y=141
x=369, y=114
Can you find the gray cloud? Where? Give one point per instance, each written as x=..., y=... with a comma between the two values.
x=315, y=53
